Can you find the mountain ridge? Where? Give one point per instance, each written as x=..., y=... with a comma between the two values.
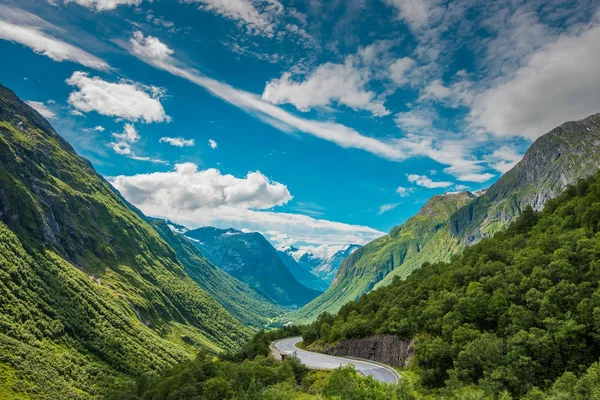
x=560, y=157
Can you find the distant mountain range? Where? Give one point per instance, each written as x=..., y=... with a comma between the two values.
x=324, y=268
x=250, y=258
x=449, y=223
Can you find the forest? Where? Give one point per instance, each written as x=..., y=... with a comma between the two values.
x=517, y=314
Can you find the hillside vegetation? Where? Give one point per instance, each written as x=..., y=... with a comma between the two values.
x=517, y=314
x=555, y=160
x=236, y=296
x=90, y=294
x=424, y=237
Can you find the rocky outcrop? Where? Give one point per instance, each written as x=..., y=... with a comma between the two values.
x=387, y=349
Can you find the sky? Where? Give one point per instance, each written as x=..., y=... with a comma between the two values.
x=316, y=123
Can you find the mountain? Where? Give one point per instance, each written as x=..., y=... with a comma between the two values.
x=90, y=294
x=237, y=297
x=329, y=266
x=302, y=275
x=559, y=158
x=449, y=223
x=323, y=267
x=250, y=258
x=512, y=317
x=422, y=238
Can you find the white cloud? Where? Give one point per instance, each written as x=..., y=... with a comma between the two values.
x=125, y=140
x=178, y=141
x=415, y=120
x=342, y=83
x=275, y=116
x=41, y=42
x=416, y=13
x=404, y=192
x=42, y=109
x=259, y=17
x=194, y=198
x=504, y=158
x=128, y=100
x=560, y=82
x=425, y=181
x=474, y=177
x=189, y=189
x=99, y=128
x=387, y=207
x=104, y=5
x=213, y=145
x=399, y=70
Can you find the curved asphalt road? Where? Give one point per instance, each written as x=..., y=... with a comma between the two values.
x=312, y=360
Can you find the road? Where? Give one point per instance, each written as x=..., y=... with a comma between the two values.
x=312, y=360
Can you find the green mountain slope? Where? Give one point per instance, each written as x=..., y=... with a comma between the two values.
x=424, y=237
x=250, y=258
x=557, y=159
x=89, y=292
x=513, y=313
x=236, y=296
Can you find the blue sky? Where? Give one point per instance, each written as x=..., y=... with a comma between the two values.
x=313, y=122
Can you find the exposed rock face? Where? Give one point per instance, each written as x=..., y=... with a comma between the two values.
x=559, y=158
x=250, y=258
x=387, y=349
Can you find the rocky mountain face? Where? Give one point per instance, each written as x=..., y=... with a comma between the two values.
x=302, y=275
x=387, y=349
x=250, y=258
x=86, y=284
x=323, y=267
x=559, y=158
x=330, y=266
x=243, y=302
x=422, y=238
x=449, y=223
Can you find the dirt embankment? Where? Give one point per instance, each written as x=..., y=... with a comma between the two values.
x=387, y=349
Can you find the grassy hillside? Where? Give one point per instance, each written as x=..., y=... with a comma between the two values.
x=236, y=296
x=515, y=314
x=89, y=292
x=424, y=237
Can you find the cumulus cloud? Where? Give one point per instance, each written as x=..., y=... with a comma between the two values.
x=189, y=189
x=404, y=192
x=42, y=43
x=342, y=83
x=399, y=70
x=195, y=198
x=42, y=108
x=560, y=82
x=128, y=100
x=426, y=182
x=416, y=13
x=99, y=128
x=104, y=5
x=275, y=116
x=178, y=141
x=213, y=145
x=124, y=140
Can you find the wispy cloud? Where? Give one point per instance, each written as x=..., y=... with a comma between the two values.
x=154, y=52
x=24, y=28
x=42, y=108
x=178, y=141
